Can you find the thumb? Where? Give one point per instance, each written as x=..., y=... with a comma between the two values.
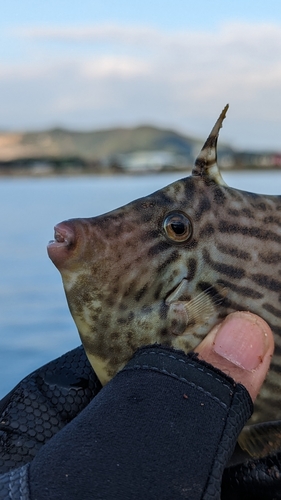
x=242, y=347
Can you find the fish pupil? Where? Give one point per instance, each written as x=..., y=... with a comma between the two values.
x=178, y=227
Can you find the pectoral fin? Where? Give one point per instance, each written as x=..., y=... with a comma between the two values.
x=184, y=313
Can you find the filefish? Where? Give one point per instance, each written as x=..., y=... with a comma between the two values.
x=168, y=267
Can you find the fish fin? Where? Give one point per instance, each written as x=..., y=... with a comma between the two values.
x=206, y=161
x=204, y=305
x=182, y=292
x=262, y=439
x=182, y=313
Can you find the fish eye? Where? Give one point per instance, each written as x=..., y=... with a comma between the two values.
x=177, y=227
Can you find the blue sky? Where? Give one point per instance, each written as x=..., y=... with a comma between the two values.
x=168, y=14
x=97, y=64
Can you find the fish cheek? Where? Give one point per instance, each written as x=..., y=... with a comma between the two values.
x=114, y=347
x=81, y=294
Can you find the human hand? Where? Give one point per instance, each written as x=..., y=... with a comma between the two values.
x=242, y=347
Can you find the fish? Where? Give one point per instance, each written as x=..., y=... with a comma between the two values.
x=168, y=267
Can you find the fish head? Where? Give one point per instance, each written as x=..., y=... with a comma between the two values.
x=129, y=274
x=131, y=277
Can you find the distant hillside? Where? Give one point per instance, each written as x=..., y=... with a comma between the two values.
x=139, y=149
x=94, y=145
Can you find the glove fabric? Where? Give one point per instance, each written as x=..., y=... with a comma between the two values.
x=164, y=427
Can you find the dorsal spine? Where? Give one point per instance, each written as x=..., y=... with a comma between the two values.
x=206, y=161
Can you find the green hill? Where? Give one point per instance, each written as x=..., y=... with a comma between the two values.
x=95, y=145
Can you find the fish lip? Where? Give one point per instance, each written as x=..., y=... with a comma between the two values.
x=60, y=249
x=63, y=236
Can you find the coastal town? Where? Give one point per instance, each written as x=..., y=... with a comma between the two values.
x=118, y=150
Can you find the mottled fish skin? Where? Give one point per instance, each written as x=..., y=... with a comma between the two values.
x=132, y=276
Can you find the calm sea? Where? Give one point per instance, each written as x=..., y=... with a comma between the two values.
x=35, y=324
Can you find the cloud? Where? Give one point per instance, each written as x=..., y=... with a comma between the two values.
x=107, y=32
x=119, y=67
x=99, y=76
x=248, y=36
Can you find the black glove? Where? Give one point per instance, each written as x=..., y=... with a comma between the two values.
x=164, y=427
x=42, y=404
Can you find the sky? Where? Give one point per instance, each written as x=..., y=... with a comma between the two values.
x=171, y=63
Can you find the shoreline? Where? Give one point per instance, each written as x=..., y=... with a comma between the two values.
x=20, y=173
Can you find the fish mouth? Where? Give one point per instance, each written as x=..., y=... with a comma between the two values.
x=63, y=236
x=64, y=240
